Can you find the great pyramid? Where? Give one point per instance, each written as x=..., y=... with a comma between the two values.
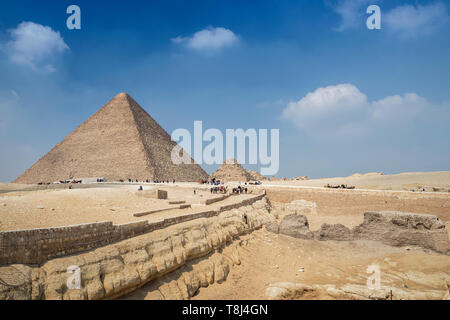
x=231, y=170
x=120, y=141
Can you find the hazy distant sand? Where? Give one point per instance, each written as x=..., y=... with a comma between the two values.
x=402, y=181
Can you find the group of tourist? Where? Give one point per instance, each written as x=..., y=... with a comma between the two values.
x=215, y=182
x=240, y=190
x=220, y=189
x=148, y=181
x=162, y=181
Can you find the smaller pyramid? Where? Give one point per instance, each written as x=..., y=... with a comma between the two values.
x=256, y=176
x=231, y=170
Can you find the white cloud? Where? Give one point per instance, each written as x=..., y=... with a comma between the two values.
x=209, y=38
x=399, y=107
x=409, y=21
x=34, y=45
x=344, y=110
x=325, y=103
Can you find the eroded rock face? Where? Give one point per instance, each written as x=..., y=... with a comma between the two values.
x=117, y=269
x=186, y=282
x=336, y=232
x=296, y=226
x=287, y=290
x=404, y=229
x=394, y=229
x=391, y=228
x=290, y=290
x=273, y=227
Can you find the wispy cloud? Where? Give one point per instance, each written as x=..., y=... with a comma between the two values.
x=351, y=12
x=34, y=46
x=9, y=103
x=208, y=39
x=409, y=21
x=406, y=21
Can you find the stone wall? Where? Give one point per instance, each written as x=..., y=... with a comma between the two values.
x=38, y=245
x=215, y=199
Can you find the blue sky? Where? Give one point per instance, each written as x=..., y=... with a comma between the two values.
x=346, y=99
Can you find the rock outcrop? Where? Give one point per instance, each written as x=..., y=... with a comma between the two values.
x=290, y=290
x=404, y=229
x=292, y=225
x=394, y=229
x=336, y=232
x=391, y=228
x=117, y=269
x=273, y=227
x=185, y=282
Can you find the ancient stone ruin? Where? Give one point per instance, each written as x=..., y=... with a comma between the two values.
x=388, y=227
x=154, y=194
x=116, y=269
x=403, y=229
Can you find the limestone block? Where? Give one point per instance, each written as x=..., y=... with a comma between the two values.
x=296, y=226
x=154, y=194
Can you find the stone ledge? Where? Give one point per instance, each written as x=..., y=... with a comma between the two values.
x=38, y=245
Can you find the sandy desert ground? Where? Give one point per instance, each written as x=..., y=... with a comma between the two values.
x=21, y=210
x=269, y=261
x=118, y=202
